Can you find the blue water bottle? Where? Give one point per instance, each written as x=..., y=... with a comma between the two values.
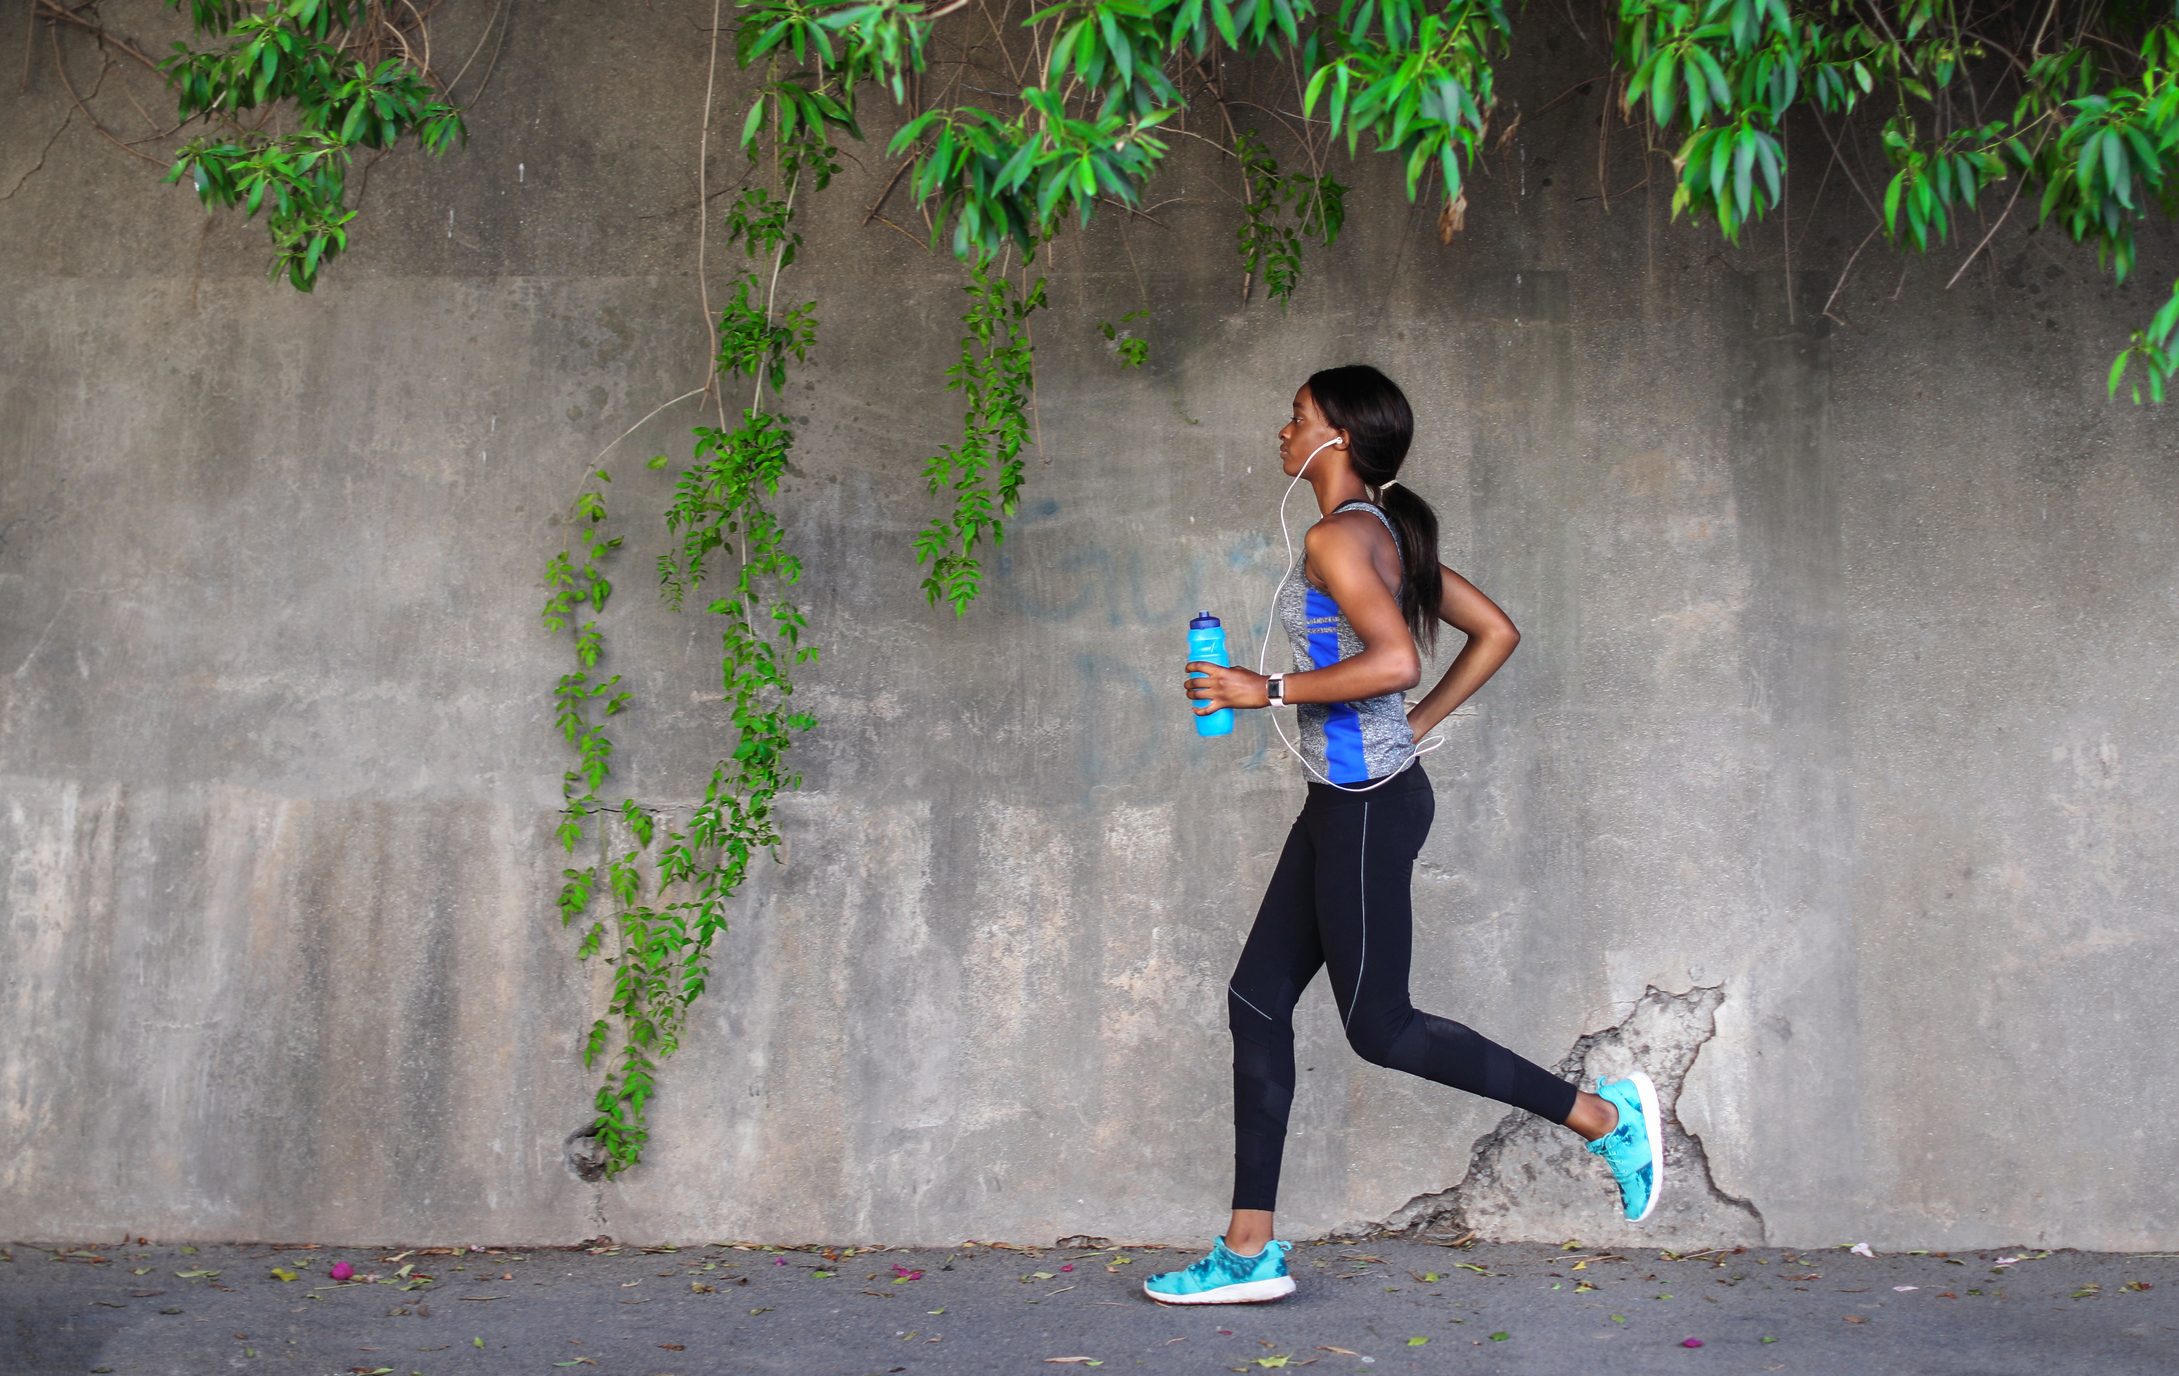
x=1207, y=642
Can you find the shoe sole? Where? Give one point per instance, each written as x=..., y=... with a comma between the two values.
x=1653, y=1125
x=1246, y=1292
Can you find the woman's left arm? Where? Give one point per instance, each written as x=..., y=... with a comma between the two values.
x=1389, y=663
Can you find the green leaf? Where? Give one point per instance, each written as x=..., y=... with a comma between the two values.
x=2145, y=152
x=1743, y=171
x=2084, y=167
x=1222, y=17
x=2167, y=317
x=1055, y=182
x=1313, y=90
x=1767, y=152
x=1062, y=47
x=1721, y=92
x=1661, y=89
x=2115, y=169
x=911, y=131
x=1123, y=55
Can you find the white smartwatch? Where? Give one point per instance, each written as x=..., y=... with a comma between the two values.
x=1275, y=690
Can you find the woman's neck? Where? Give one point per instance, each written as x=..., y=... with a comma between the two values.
x=1333, y=489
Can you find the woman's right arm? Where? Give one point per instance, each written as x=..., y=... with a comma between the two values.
x=1491, y=638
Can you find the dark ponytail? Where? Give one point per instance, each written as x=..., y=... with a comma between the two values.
x=1380, y=425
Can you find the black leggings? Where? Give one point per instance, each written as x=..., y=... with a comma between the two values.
x=1339, y=898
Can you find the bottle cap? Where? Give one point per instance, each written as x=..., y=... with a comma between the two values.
x=1203, y=621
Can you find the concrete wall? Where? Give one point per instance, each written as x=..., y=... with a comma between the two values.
x=1833, y=776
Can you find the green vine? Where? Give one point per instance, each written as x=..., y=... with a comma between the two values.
x=1279, y=210
x=1132, y=349
x=726, y=534
x=983, y=471
x=620, y=1125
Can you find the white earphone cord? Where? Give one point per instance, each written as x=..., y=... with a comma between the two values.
x=1263, y=653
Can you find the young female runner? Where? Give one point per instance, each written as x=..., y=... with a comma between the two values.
x=1367, y=587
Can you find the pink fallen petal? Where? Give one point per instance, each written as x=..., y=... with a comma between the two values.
x=342, y=1270
x=1690, y=1342
x=1068, y=1267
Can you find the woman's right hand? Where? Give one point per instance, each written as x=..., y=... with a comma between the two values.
x=1211, y=687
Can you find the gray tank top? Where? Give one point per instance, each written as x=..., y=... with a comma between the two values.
x=1346, y=742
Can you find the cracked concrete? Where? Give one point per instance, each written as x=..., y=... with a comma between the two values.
x=1532, y=1180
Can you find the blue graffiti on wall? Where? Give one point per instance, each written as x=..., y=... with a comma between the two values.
x=1130, y=716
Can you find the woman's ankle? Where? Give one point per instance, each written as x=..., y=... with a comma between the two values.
x=1249, y=1231
x=1593, y=1116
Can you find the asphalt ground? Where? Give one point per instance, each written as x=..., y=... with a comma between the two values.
x=1376, y=1305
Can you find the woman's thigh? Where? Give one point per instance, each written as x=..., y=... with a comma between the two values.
x=1365, y=868
x=1282, y=953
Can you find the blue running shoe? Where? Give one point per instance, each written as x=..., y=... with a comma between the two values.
x=1226, y=1277
x=1635, y=1147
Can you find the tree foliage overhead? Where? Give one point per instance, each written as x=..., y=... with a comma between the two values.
x=2076, y=104
x=329, y=62
x=1018, y=120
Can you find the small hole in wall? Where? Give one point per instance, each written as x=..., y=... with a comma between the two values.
x=585, y=1154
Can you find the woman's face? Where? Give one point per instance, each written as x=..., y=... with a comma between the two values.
x=1302, y=433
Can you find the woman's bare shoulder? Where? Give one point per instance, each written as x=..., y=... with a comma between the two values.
x=1352, y=524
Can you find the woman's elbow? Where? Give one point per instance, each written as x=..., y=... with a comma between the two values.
x=1405, y=673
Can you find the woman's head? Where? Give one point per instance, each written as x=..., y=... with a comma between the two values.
x=1369, y=411
x=1364, y=414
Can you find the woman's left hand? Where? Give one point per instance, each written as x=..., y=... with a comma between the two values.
x=1222, y=686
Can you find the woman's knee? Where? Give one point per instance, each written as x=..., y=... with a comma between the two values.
x=1257, y=1015
x=1377, y=1039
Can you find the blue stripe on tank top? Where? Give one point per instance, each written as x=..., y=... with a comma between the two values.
x=1342, y=722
